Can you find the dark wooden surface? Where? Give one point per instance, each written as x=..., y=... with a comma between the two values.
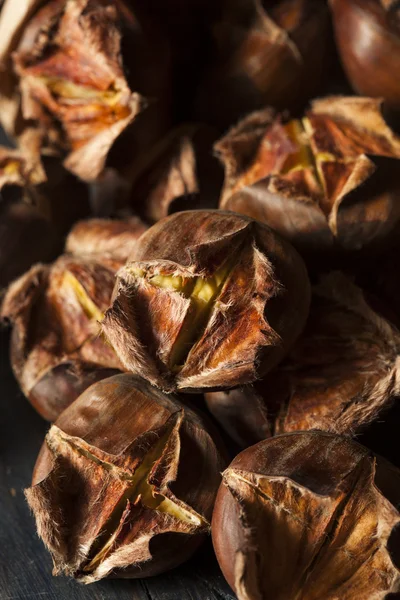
x=25, y=565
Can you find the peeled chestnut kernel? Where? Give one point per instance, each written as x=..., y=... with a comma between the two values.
x=309, y=515
x=125, y=483
x=81, y=73
x=368, y=38
x=56, y=350
x=341, y=373
x=105, y=239
x=265, y=53
x=326, y=182
x=210, y=300
x=178, y=173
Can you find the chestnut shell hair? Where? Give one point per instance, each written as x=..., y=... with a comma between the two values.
x=309, y=515
x=340, y=375
x=84, y=495
x=255, y=315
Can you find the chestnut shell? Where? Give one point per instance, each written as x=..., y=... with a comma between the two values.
x=309, y=515
x=368, y=40
x=83, y=472
x=257, y=311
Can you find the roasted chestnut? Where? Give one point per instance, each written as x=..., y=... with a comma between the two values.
x=209, y=300
x=56, y=350
x=82, y=70
x=265, y=53
x=125, y=483
x=309, y=515
x=328, y=182
x=340, y=375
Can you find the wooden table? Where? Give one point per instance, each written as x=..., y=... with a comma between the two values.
x=25, y=565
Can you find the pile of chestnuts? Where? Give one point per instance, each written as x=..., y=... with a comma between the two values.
x=199, y=242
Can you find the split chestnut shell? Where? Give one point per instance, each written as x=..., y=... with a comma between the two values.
x=125, y=482
x=211, y=300
x=327, y=182
x=309, y=515
x=56, y=351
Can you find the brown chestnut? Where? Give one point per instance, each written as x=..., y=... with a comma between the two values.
x=210, y=300
x=328, y=182
x=125, y=483
x=368, y=39
x=341, y=373
x=178, y=173
x=56, y=351
x=265, y=53
x=309, y=515
x=105, y=239
x=82, y=69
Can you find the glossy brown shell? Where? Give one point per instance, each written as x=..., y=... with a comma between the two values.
x=368, y=40
x=308, y=515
